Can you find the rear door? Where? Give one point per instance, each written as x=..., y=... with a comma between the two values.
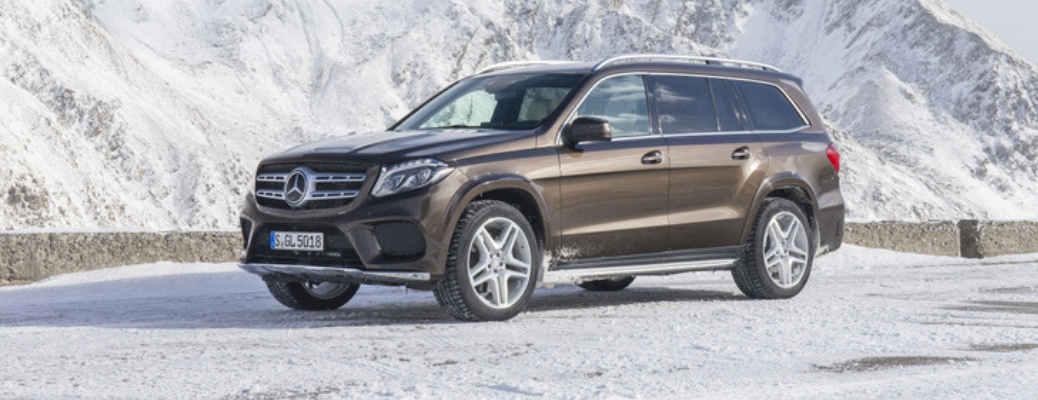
x=614, y=194
x=716, y=163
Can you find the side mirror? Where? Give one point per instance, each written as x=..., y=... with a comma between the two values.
x=589, y=129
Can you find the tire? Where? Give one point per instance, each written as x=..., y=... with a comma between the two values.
x=781, y=237
x=493, y=246
x=607, y=285
x=312, y=296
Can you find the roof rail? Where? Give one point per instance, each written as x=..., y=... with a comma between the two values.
x=514, y=64
x=704, y=60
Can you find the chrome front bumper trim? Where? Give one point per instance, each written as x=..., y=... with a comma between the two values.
x=336, y=274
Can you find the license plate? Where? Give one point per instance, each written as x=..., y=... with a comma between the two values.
x=308, y=241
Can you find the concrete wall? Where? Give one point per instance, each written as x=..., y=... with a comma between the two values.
x=969, y=239
x=937, y=238
x=982, y=239
x=27, y=257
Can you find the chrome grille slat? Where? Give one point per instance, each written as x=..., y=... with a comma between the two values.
x=271, y=194
x=330, y=178
x=334, y=195
x=272, y=177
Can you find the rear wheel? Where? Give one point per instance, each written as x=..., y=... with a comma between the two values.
x=312, y=296
x=778, y=258
x=607, y=285
x=492, y=265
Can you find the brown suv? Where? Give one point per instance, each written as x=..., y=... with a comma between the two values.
x=557, y=172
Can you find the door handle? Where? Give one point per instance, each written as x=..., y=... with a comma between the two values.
x=652, y=158
x=742, y=153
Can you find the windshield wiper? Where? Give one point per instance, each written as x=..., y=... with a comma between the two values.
x=483, y=127
x=457, y=127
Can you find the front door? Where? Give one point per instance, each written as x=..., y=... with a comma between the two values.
x=614, y=194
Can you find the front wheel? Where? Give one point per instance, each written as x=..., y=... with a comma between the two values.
x=492, y=265
x=312, y=296
x=777, y=261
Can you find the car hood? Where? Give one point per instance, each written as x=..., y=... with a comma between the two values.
x=393, y=146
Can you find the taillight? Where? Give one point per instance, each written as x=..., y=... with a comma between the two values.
x=834, y=156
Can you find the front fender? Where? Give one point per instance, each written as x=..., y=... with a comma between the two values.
x=476, y=188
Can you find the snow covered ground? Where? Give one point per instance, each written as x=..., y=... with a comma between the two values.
x=871, y=324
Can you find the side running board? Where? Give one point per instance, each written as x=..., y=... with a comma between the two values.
x=620, y=271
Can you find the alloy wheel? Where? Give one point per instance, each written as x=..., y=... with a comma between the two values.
x=786, y=250
x=500, y=262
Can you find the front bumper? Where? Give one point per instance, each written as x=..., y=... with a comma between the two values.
x=283, y=272
x=376, y=240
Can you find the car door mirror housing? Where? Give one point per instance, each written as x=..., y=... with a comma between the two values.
x=589, y=129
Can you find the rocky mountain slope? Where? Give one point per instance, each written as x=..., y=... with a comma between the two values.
x=153, y=114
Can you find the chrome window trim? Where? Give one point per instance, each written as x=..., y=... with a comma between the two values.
x=633, y=138
x=794, y=130
x=572, y=113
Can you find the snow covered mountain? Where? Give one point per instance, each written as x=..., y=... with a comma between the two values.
x=152, y=114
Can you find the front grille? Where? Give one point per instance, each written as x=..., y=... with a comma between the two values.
x=338, y=251
x=326, y=185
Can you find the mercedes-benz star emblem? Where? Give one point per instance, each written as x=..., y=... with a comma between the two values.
x=295, y=188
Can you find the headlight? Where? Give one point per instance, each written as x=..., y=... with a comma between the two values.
x=410, y=175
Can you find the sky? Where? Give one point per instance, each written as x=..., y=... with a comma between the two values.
x=1012, y=20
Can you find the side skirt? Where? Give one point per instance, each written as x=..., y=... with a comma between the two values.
x=667, y=263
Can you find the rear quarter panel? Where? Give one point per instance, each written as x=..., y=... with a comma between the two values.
x=798, y=160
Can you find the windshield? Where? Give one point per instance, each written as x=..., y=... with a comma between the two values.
x=519, y=102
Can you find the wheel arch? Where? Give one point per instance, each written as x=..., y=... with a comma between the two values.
x=511, y=189
x=791, y=187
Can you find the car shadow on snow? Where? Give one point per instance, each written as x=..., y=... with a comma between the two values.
x=184, y=303
x=576, y=299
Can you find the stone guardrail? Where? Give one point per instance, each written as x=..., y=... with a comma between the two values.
x=982, y=239
x=28, y=257
x=937, y=238
x=968, y=239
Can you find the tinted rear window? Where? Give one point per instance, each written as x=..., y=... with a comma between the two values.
x=768, y=107
x=727, y=120
x=685, y=105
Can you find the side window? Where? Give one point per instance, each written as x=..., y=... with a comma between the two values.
x=685, y=105
x=768, y=107
x=622, y=102
x=727, y=120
